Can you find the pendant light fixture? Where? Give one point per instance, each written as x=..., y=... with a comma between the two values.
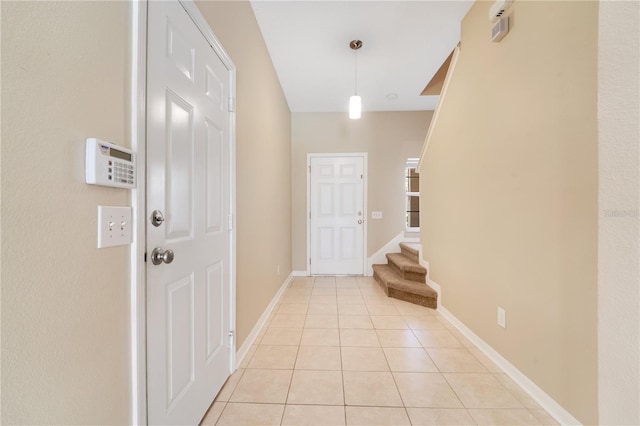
x=355, y=102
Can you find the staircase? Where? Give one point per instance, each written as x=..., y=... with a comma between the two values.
x=403, y=278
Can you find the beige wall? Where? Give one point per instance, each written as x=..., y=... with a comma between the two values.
x=509, y=194
x=389, y=138
x=263, y=140
x=619, y=213
x=65, y=304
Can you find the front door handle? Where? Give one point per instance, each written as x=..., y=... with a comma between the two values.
x=158, y=256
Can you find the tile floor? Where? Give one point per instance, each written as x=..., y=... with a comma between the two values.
x=337, y=351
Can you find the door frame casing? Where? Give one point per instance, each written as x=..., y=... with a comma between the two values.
x=365, y=178
x=138, y=115
x=138, y=134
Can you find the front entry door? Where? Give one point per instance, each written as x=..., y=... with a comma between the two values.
x=188, y=205
x=336, y=192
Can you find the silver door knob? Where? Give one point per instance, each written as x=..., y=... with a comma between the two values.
x=157, y=218
x=158, y=256
x=360, y=221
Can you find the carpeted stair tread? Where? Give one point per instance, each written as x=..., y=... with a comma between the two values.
x=405, y=264
x=399, y=288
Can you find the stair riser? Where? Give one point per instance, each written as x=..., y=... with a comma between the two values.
x=429, y=302
x=415, y=276
x=410, y=255
x=394, y=261
x=395, y=267
x=407, y=275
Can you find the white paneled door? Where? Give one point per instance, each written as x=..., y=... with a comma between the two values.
x=188, y=205
x=336, y=221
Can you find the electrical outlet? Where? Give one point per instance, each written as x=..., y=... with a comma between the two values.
x=502, y=318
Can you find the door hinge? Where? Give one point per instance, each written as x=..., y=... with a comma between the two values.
x=309, y=215
x=231, y=336
x=309, y=169
x=145, y=257
x=232, y=104
x=361, y=177
x=230, y=222
x=309, y=261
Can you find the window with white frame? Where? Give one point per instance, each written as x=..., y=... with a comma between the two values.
x=412, y=190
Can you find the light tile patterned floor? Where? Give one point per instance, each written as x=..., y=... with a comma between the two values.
x=337, y=351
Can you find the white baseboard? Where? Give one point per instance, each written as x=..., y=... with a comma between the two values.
x=299, y=274
x=248, y=342
x=390, y=247
x=561, y=415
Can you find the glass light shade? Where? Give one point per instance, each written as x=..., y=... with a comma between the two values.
x=355, y=107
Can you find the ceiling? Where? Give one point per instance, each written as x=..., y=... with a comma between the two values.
x=404, y=44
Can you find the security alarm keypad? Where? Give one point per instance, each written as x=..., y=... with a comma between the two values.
x=108, y=164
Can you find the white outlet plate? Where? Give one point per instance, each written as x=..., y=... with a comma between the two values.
x=114, y=226
x=502, y=318
x=376, y=215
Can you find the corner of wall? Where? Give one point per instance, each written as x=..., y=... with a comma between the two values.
x=619, y=212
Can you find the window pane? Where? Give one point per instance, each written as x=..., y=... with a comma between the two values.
x=414, y=220
x=413, y=211
x=413, y=204
x=412, y=185
x=413, y=180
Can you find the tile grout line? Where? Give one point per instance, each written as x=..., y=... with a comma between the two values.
x=344, y=396
x=295, y=362
x=219, y=416
x=344, y=391
x=393, y=377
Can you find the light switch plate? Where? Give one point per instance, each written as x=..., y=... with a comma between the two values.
x=114, y=226
x=376, y=215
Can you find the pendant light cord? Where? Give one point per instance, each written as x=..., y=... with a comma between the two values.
x=355, y=45
x=356, y=71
